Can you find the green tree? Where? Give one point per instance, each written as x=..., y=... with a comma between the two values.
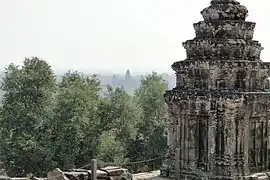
x=110, y=149
x=26, y=108
x=151, y=138
x=74, y=120
x=118, y=117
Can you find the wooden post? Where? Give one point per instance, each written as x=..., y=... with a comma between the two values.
x=177, y=163
x=94, y=169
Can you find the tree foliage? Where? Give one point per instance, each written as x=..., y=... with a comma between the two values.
x=151, y=139
x=119, y=116
x=47, y=124
x=74, y=115
x=26, y=107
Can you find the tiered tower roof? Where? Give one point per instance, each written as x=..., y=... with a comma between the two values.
x=222, y=49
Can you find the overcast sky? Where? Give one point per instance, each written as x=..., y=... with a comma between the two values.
x=114, y=35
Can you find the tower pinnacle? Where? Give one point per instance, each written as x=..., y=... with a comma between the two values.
x=224, y=2
x=225, y=10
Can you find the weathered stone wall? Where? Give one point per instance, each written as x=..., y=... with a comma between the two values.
x=223, y=75
x=214, y=131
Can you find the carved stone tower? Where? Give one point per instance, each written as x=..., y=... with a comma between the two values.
x=219, y=109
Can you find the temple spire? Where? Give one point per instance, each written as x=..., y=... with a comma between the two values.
x=219, y=109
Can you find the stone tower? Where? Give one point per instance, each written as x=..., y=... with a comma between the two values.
x=219, y=109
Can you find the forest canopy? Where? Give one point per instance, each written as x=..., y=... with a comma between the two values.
x=47, y=124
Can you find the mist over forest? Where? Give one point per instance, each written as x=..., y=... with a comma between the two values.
x=130, y=82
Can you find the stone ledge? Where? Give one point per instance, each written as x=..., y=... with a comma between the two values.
x=224, y=29
x=180, y=94
x=207, y=64
x=149, y=175
x=258, y=176
x=223, y=49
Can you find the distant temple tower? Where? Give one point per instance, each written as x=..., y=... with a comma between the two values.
x=219, y=109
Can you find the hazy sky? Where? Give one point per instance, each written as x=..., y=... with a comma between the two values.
x=114, y=35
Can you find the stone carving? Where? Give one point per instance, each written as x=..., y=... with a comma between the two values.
x=220, y=106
